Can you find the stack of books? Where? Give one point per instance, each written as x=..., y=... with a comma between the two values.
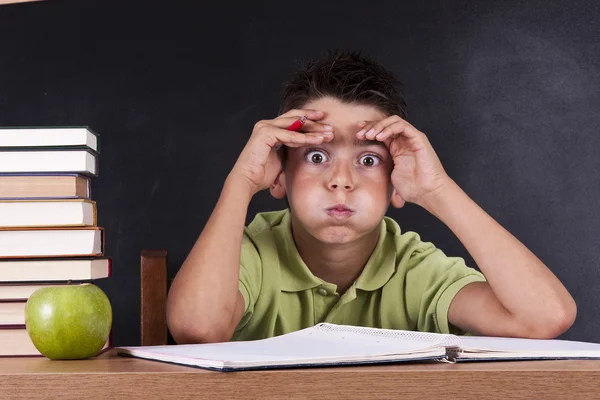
x=48, y=226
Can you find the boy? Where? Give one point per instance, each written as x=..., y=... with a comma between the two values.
x=333, y=255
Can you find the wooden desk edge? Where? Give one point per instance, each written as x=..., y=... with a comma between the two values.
x=113, y=376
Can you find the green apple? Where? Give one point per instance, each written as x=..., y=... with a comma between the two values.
x=68, y=322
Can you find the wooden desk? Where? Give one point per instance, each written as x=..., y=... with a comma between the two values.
x=112, y=377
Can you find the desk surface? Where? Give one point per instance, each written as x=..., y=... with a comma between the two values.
x=112, y=376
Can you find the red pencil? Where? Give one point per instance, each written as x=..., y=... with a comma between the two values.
x=297, y=124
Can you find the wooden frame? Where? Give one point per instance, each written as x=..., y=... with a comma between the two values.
x=153, y=297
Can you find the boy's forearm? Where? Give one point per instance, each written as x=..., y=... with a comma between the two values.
x=524, y=286
x=204, y=293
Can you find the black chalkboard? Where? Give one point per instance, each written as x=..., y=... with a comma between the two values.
x=508, y=93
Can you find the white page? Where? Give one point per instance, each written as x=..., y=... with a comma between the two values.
x=395, y=334
x=306, y=344
x=50, y=242
x=44, y=161
x=44, y=136
x=480, y=343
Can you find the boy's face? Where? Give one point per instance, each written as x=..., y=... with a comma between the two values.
x=338, y=191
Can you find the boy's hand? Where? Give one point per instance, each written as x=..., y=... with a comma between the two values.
x=260, y=162
x=418, y=173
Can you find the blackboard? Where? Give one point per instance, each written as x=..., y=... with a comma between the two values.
x=507, y=92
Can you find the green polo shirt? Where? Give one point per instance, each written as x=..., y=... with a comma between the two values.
x=406, y=284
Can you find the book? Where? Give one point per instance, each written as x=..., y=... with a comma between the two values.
x=48, y=136
x=21, y=292
x=51, y=242
x=40, y=213
x=331, y=345
x=15, y=342
x=12, y=313
x=32, y=161
x=50, y=270
x=40, y=186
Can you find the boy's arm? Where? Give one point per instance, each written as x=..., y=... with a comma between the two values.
x=204, y=303
x=521, y=297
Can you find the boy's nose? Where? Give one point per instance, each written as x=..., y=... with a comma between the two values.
x=335, y=186
x=341, y=178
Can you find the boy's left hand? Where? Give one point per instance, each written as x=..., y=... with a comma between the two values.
x=418, y=174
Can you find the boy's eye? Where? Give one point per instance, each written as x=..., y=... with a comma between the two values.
x=316, y=157
x=369, y=161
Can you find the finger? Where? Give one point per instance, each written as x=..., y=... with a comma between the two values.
x=295, y=139
x=368, y=132
x=390, y=131
x=326, y=136
x=275, y=136
x=381, y=125
x=367, y=126
x=309, y=126
x=313, y=126
x=314, y=115
x=399, y=128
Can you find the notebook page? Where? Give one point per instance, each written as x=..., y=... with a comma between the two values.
x=500, y=344
x=394, y=334
x=301, y=346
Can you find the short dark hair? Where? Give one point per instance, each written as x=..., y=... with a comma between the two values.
x=348, y=76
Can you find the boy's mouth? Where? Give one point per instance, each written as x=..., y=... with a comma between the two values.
x=340, y=211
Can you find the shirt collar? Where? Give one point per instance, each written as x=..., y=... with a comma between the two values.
x=381, y=265
x=296, y=277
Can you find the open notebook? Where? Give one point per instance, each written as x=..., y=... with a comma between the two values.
x=329, y=345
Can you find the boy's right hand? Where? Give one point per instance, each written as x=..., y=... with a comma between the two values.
x=260, y=161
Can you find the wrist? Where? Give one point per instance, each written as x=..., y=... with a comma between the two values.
x=438, y=201
x=239, y=187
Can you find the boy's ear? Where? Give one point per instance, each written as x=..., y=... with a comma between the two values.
x=277, y=188
x=397, y=200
